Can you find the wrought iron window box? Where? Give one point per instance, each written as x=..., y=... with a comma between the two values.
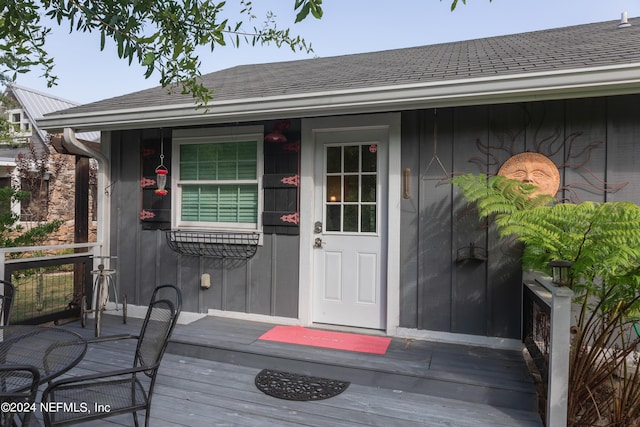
x=215, y=244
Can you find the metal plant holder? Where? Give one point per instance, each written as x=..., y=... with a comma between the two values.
x=471, y=252
x=224, y=245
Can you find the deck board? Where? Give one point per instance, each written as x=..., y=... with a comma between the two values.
x=194, y=391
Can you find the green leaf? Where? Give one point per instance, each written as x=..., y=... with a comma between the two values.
x=172, y=30
x=149, y=59
x=307, y=6
x=316, y=10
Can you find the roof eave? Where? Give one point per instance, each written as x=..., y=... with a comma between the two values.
x=580, y=83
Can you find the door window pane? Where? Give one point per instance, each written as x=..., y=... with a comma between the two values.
x=350, y=218
x=333, y=217
x=334, y=159
x=368, y=219
x=351, y=158
x=334, y=185
x=369, y=185
x=370, y=158
x=351, y=188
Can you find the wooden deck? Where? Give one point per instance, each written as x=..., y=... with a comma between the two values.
x=207, y=379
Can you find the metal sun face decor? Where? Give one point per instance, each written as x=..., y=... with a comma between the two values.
x=533, y=168
x=577, y=153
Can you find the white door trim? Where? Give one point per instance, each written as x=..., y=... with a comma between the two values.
x=391, y=121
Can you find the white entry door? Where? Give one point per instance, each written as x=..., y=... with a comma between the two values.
x=349, y=228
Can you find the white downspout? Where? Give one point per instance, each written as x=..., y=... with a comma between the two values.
x=103, y=184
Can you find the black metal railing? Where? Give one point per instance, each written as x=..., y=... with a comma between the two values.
x=536, y=330
x=48, y=288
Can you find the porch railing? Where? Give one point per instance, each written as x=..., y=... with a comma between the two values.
x=536, y=323
x=546, y=323
x=49, y=280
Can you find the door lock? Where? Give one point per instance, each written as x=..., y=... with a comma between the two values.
x=318, y=243
x=317, y=227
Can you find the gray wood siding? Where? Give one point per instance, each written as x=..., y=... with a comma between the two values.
x=470, y=313
x=594, y=142
x=266, y=284
x=623, y=157
x=410, y=209
x=434, y=225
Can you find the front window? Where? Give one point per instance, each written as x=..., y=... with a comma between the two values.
x=219, y=178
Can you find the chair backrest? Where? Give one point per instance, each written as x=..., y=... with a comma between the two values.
x=18, y=383
x=162, y=316
x=6, y=301
x=168, y=292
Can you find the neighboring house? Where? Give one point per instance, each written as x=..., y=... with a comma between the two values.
x=340, y=167
x=48, y=176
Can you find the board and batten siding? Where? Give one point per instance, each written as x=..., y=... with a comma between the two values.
x=595, y=143
x=266, y=284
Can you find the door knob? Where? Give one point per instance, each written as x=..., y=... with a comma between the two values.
x=317, y=243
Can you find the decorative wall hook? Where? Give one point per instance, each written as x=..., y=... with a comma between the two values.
x=471, y=252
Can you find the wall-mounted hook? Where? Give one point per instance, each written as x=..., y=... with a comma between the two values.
x=471, y=252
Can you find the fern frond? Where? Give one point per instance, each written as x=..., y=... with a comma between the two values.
x=602, y=240
x=497, y=195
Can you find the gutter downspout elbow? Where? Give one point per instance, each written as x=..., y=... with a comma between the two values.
x=103, y=178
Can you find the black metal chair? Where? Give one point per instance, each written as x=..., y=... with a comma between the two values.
x=126, y=390
x=19, y=386
x=6, y=301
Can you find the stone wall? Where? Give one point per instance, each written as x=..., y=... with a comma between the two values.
x=62, y=205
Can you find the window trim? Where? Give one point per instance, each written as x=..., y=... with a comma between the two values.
x=216, y=135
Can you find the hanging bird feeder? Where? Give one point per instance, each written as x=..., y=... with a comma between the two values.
x=161, y=179
x=161, y=172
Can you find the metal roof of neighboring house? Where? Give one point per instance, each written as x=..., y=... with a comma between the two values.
x=36, y=104
x=578, y=61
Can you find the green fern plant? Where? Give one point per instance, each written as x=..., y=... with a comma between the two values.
x=497, y=195
x=602, y=241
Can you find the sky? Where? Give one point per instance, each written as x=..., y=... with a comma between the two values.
x=86, y=74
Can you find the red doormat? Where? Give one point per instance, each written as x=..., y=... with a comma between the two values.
x=326, y=339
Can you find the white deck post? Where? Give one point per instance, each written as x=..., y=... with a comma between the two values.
x=559, y=348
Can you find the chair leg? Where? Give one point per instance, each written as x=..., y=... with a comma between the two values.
x=6, y=419
x=147, y=414
x=135, y=419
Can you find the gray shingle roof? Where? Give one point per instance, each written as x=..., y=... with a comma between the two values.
x=569, y=48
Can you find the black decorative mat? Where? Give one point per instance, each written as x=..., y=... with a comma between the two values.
x=288, y=386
